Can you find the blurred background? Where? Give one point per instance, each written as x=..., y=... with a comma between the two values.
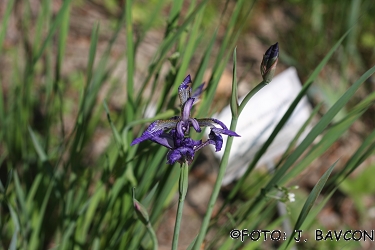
x=305, y=31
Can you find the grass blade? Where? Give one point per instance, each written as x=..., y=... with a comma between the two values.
x=311, y=200
x=13, y=242
x=4, y=22
x=56, y=23
x=130, y=107
x=234, y=98
x=39, y=149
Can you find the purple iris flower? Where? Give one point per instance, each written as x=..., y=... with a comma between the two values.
x=173, y=133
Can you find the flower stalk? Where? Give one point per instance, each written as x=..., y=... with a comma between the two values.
x=268, y=67
x=216, y=190
x=183, y=186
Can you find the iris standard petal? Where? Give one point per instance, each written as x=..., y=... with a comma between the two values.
x=186, y=109
x=195, y=124
x=181, y=129
x=184, y=90
x=197, y=92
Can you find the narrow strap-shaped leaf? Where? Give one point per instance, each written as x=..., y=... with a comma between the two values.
x=92, y=53
x=310, y=219
x=15, y=219
x=311, y=200
x=56, y=23
x=318, y=129
x=35, y=235
x=173, y=16
x=205, y=59
x=115, y=132
x=5, y=21
x=165, y=47
x=39, y=149
x=130, y=57
x=333, y=133
x=149, y=22
x=234, y=97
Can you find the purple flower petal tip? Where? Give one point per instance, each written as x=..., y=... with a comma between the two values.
x=134, y=142
x=184, y=90
x=187, y=79
x=232, y=133
x=272, y=51
x=198, y=91
x=275, y=50
x=155, y=129
x=224, y=132
x=185, y=83
x=145, y=136
x=269, y=62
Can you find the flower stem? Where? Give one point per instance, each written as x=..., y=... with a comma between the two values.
x=223, y=167
x=215, y=192
x=153, y=236
x=250, y=95
x=183, y=186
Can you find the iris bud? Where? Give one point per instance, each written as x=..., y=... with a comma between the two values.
x=141, y=212
x=269, y=62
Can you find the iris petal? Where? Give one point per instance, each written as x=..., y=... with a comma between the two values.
x=164, y=139
x=180, y=154
x=210, y=122
x=186, y=109
x=224, y=132
x=184, y=90
x=195, y=124
x=155, y=129
x=180, y=128
x=215, y=139
x=173, y=156
x=198, y=91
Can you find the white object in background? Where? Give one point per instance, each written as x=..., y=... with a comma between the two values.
x=259, y=118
